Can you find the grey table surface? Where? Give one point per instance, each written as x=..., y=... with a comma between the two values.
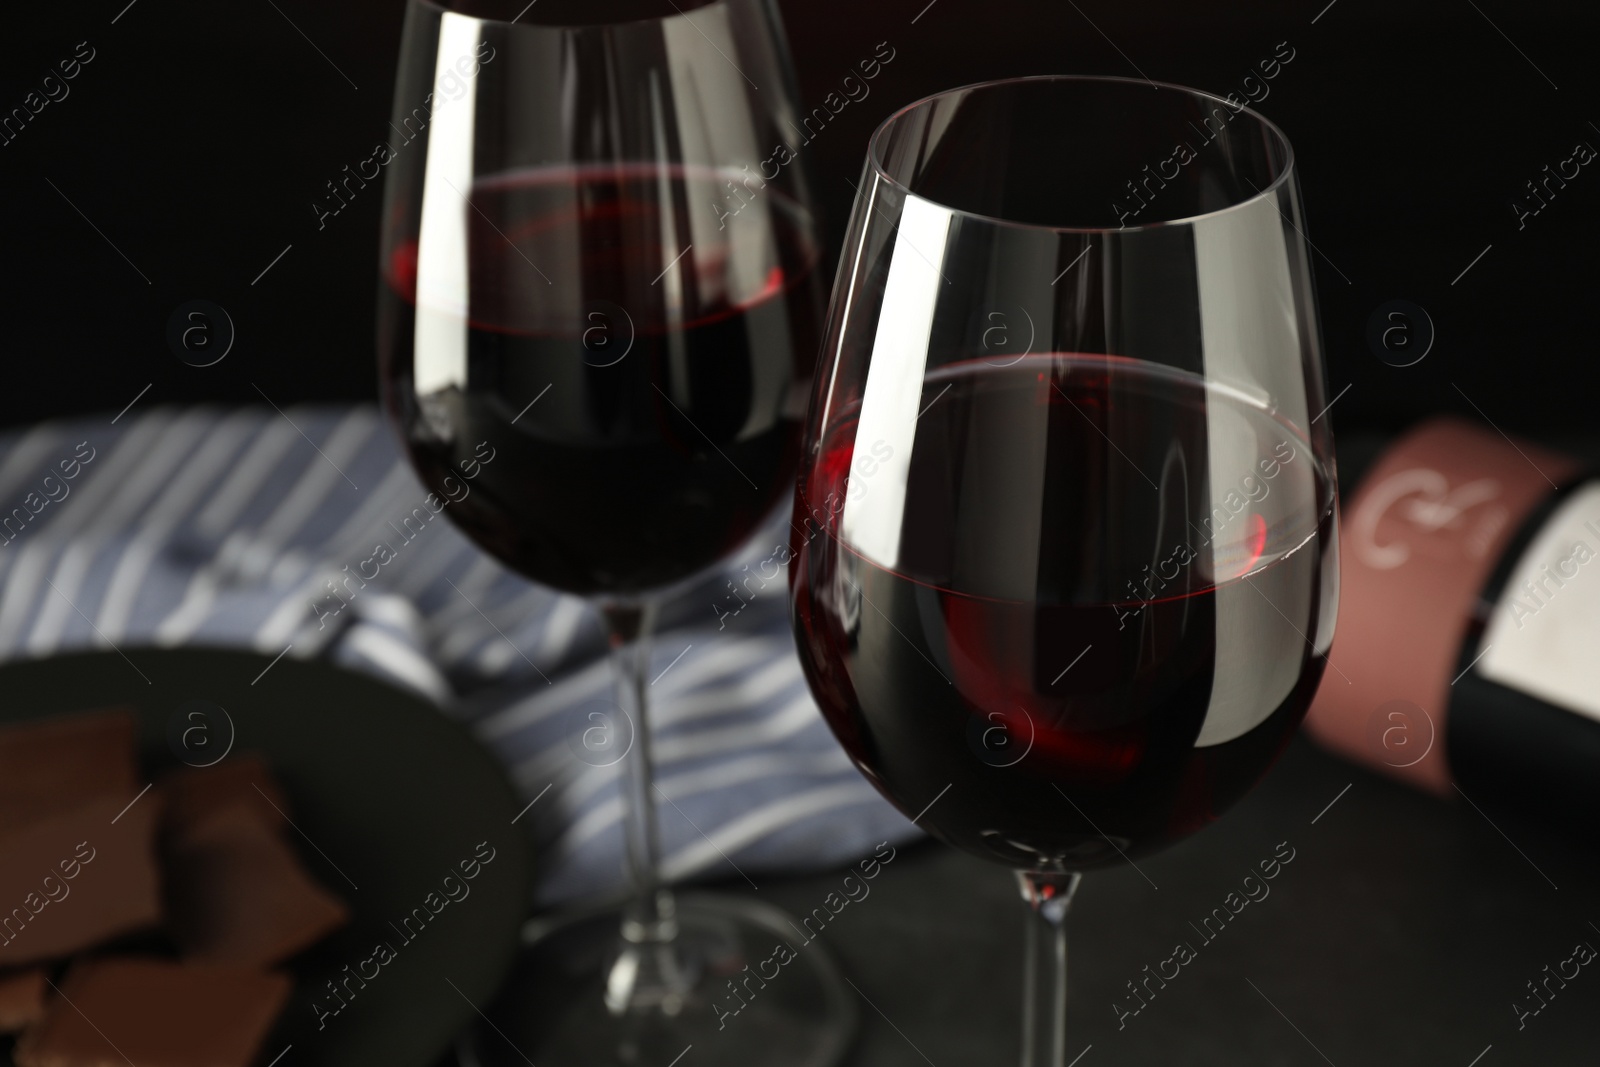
x=1402, y=932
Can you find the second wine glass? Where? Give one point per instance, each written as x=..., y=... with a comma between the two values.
x=599, y=309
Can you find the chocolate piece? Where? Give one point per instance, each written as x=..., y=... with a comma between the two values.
x=78, y=877
x=195, y=792
x=21, y=1000
x=155, y=1014
x=236, y=892
x=59, y=762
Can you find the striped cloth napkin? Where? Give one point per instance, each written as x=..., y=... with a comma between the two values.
x=208, y=526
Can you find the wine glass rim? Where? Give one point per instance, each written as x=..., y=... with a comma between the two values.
x=446, y=7
x=874, y=156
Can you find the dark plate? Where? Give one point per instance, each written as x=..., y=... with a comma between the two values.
x=388, y=797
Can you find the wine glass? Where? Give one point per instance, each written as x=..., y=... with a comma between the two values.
x=1065, y=562
x=599, y=312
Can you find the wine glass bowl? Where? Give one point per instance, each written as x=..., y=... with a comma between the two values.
x=1065, y=526
x=596, y=285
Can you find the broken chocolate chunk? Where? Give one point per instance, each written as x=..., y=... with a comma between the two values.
x=155, y=1014
x=21, y=999
x=237, y=893
x=50, y=764
x=194, y=792
x=78, y=877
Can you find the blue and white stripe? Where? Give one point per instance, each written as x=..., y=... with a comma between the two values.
x=207, y=526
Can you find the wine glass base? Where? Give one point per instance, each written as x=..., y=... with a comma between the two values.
x=790, y=1008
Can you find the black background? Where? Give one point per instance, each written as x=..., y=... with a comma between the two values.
x=199, y=136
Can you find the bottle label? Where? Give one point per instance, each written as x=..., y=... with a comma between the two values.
x=1544, y=633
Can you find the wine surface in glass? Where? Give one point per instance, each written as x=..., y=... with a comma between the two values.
x=1080, y=602
x=630, y=355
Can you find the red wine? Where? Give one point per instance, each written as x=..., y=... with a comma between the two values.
x=632, y=367
x=1083, y=592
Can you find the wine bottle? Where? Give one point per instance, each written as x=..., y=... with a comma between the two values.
x=1467, y=653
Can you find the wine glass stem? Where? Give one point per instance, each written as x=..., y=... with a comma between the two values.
x=1044, y=976
x=646, y=974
